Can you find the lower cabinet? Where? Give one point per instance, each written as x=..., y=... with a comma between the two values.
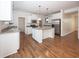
x=9, y=43
x=39, y=34
x=28, y=30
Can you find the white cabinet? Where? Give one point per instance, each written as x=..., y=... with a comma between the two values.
x=5, y=10
x=57, y=16
x=37, y=35
x=42, y=33
x=48, y=33
x=28, y=30
x=9, y=43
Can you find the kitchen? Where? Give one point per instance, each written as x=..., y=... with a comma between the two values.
x=39, y=24
x=38, y=28
x=40, y=32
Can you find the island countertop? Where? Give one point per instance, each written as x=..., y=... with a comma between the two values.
x=44, y=28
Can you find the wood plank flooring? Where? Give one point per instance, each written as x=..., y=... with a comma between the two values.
x=67, y=46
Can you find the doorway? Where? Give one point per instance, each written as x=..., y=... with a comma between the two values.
x=21, y=24
x=71, y=23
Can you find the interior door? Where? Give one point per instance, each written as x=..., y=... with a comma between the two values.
x=21, y=24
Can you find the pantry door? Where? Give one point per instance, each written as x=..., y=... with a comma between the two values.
x=21, y=24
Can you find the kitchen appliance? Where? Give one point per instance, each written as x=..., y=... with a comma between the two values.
x=57, y=24
x=34, y=21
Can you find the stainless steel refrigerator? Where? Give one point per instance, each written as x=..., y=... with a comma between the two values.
x=57, y=26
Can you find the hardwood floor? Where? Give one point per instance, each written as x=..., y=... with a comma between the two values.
x=67, y=46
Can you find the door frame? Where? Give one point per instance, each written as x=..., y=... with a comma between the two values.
x=24, y=23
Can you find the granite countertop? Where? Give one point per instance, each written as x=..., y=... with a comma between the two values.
x=10, y=29
x=44, y=28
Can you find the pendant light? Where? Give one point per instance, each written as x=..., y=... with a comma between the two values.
x=39, y=13
x=47, y=17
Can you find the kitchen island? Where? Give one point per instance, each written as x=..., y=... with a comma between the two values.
x=41, y=33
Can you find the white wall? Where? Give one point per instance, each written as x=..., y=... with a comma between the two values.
x=28, y=16
x=78, y=23
x=71, y=10
x=17, y=14
x=69, y=23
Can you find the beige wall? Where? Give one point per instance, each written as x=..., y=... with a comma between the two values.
x=70, y=23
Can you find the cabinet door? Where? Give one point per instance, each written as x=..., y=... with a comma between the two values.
x=5, y=10
x=56, y=16
x=29, y=30
x=9, y=44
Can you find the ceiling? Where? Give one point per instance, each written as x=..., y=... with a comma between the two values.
x=53, y=6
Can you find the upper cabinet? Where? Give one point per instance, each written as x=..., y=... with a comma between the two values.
x=56, y=16
x=5, y=10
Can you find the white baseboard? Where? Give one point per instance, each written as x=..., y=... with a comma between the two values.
x=13, y=52
x=66, y=33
